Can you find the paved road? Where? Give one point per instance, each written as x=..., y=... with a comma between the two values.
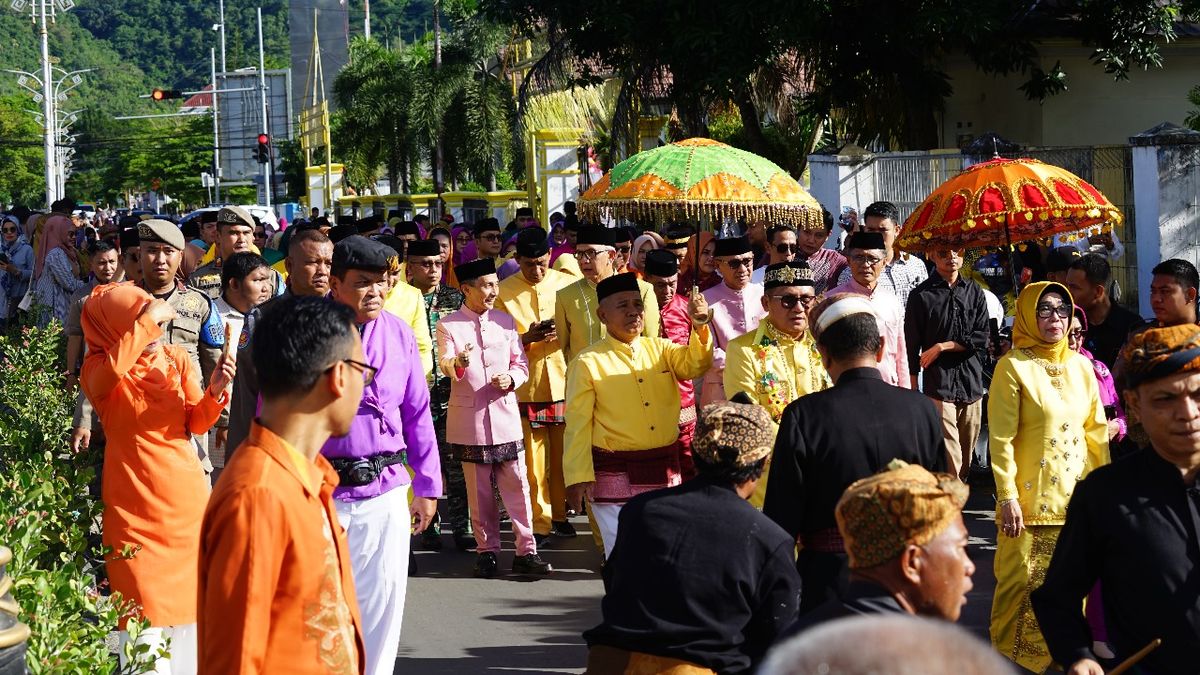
x=456, y=624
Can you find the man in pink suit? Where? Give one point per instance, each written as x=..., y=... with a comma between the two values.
x=481, y=353
x=736, y=306
x=867, y=254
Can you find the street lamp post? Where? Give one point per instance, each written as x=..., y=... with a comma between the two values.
x=43, y=13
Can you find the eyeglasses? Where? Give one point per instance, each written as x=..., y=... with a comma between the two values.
x=784, y=249
x=1075, y=335
x=426, y=264
x=368, y=371
x=492, y=236
x=6, y=230
x=790, y=301
x=735, y=263
x=868, y=260
x=1047, y=311
x=587, y=256
x=624, y=249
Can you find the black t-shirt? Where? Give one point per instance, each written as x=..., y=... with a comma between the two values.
x=1104, y=340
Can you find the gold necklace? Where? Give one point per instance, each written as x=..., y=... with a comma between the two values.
x=1054, y=370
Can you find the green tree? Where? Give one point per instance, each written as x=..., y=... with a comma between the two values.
x=21, y=155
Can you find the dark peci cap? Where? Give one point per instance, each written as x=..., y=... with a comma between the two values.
x=866, y=241
x=356, y=252
x=661, y=263
x=532, y=243
x=234, y=215
x=524, y=212
x=407, y=227
x=161, y=232
x=130, y=239
x=342, y=231
x=618, y=283
x=731, y=246
x=397, y=244
x=468, y=272
x=1060, y=259
x=678, y=235
x=364, y=225
x=622, y=235
x=788, y=274
x=486, y=225
x=424, y=248
x=596, y=235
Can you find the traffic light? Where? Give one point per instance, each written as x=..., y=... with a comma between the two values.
x=262, y=153
x=164, y=94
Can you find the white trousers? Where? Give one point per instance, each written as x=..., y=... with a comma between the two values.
x=182, y=658
x=606, y=516
x=379, y=533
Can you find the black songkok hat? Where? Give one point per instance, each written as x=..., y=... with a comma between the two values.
x=622, y=235
x=532, y=243
x=468, y=272
x=788, y=274
x=866, y=241
x=342, y=231
x=678, y=236
x=397, y=244
x=365, y=225
x=618, y=283
x=407, y=227
x=524, y=212
x=424, y=248
x=661, y=263
x=359, y=253
x=129, y=238
x=596, y=235
x=486, y=225
x=731, y=246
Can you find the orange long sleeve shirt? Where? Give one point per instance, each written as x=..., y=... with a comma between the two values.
x=276, y=591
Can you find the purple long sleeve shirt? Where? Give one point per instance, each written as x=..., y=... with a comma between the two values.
x=393, y=416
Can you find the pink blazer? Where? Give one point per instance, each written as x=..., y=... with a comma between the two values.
x=480, y=413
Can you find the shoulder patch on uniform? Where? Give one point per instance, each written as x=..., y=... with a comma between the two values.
x=212, y=333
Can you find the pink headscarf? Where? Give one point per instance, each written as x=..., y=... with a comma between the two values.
x=56, y=233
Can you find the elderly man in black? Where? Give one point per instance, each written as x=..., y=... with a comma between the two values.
x=698, y=579
x=829, y=439
x=1134, y=525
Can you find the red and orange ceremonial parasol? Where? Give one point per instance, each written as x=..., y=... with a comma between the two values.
x=1006, y=201
x=700, y=178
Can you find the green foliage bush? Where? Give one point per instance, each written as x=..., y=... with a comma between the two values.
x=50, y=519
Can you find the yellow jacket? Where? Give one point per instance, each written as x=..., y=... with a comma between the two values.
x=1043, y=439
x=568, y=265
x=626, y=396
x=529, y=304
x=748, y=362
x=576, y=320
x=406, y=302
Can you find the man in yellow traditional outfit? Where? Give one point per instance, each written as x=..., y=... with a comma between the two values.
x=529, y=297
x=623, y=404
x=575, y=308
x=778, y=362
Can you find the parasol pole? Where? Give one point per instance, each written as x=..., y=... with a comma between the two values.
x=1133, y=660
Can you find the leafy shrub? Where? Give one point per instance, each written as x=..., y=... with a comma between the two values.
x=50, y=518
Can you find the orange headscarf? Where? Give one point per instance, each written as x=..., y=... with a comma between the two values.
x=448, y=276
x=691, y=261
x=56, y=233
x=1025, y=327
x=108, y=315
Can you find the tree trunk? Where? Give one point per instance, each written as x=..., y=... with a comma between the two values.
x=751, y=124
x=920, y=129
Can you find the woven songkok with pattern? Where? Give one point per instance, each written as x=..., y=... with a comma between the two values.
x=880, y=515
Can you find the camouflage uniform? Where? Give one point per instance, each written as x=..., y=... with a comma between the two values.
x=442, y=301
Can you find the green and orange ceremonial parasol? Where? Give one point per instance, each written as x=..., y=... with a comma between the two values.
x=700, y=178
x=1006, y=201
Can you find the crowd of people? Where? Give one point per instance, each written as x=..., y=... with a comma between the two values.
x=768, y=433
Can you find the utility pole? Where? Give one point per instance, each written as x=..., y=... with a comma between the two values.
x=221, y=6
x=216, y=176
x=367, y=19
x=50, y=128
x=262, y=85
x=438, y=152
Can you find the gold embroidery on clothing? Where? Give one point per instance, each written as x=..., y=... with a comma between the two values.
x=1040, y=551
x=328, y=619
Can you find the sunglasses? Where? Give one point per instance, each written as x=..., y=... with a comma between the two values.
x=8, y=229
x=624, y=249
x=1046, y=311
x=1075, y=335
x=790, y=301
x=860, y=259
x=735, y=263
x=784, y=249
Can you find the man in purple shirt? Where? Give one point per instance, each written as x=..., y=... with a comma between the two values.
x=393, y=427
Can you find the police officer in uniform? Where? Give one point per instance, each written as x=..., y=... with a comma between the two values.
x=197, y=326
x=235, y=234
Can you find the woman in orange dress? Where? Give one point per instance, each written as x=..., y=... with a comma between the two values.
x=154, y=490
